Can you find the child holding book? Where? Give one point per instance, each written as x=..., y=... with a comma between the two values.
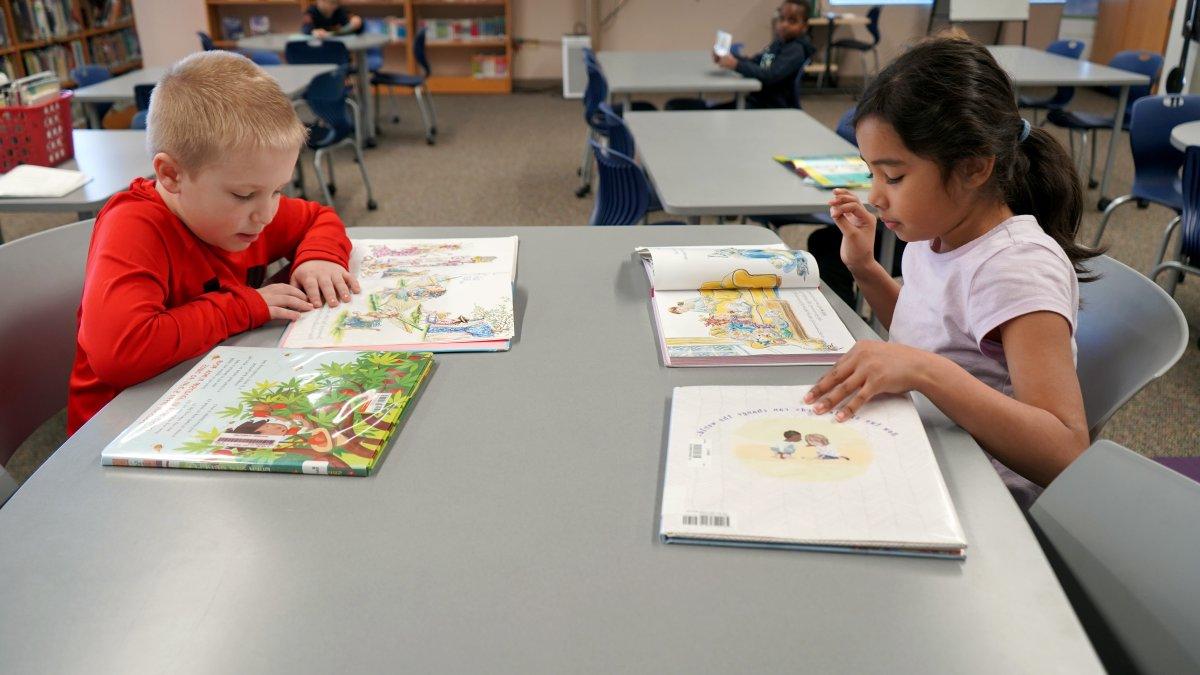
x=327, y=17
x=779, y=64
x=176, y=263
x=984, y=322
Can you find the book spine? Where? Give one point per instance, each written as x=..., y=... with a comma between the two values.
x=282, y=467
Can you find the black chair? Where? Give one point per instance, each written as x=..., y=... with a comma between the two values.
x=863, y=47
x=419, y=85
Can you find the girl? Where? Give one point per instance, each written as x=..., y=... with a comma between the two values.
x=983, y=325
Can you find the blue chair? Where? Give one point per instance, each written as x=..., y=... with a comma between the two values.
x=206, y=41
x=621, y=139
x=326, y=97
x=92, y=74
x=845, y=126
x=1187, y=251
x=418, y=83
x=863, y=47
x=623, y=196
x=1156, y=162
x=374, y=56
x=263, y=57
x=1071, y=49
x=1086, y=124
x=595, y=93
x=141, y=100
x=317, y=52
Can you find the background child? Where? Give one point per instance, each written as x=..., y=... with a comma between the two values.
x=984, y=323
x=175, y=263
x=328, y=17
x=779, y=64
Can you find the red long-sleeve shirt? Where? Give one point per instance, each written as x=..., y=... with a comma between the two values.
x=155, y=295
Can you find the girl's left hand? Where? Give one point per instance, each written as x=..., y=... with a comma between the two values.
x=870, y=368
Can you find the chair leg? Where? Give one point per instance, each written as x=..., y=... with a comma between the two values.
x=1092, y=165
x=432, y=111
x=1080, y=161
x=866, y=73
x=362, y=168
x=332, y=182
x=1071, y=143
x=585, y=166
x=1162, y=247
x=1177, y=270
x=299, y=182
x=317, y=157
x=419, y=93
x=1112, y=206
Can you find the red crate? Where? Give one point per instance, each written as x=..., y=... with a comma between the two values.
x=37, y=134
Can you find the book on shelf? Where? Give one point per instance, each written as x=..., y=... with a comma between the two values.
x=830, y=171
x=115, y=49
x=260, y=24
x=231, y=28
x=437, y=295
x=741, y=305
x=260, y=409
x=756, y=467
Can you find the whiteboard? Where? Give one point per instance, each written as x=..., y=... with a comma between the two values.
x=989, y=10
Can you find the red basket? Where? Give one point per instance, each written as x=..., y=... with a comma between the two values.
x=37, y=134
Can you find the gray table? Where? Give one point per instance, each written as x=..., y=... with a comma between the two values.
x=630, y=73
x=111, y=158
x=1185, y=135
x=355, y=44
x=292, y=79
x=512, y=527
x=1028, y=67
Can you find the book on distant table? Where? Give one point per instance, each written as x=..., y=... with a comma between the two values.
x=262, y=409
x=830, y=171
x=756, y=467
x=741, y=305
x=437, y=295
x=723, y=44
x=27, y=180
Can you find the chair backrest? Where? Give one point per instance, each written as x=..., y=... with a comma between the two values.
x=206, y=41
x=140, y=120
x=595, y=93
x=1150, y=123
x=1190, y=224
x=845, y=126
x=873, y=22
x=37, y=327
x=90, y=74
x=624, y=195
x=1072, y=49
x=263, y=57
x=317, y=51
x=1129, y=333
x=326, y=96
x=617, y=132
x=419, y=52
x=1121, y=531
x=736, y=48
x=141, y=96
x=1136, y=61
x=798, y=84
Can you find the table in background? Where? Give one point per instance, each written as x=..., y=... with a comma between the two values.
x=112, y=158
x=511, y=527
x=357, y=45
x=1185, y=135
x=690, y=72
x=292, y=79
x=1028, y=67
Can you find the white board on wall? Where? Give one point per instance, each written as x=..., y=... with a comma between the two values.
x=989, y=10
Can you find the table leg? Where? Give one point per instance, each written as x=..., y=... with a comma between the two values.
x=693, y=220
x=1118, y=123
x=629, y=102
x=93, y=116
x=828, y=79
x=85, y=215
x=740, y=101
x=365, y=100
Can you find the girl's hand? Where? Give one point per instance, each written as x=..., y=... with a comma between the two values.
x=321, y=278
x=857, y=226
x=870, y=368
x=284, y=301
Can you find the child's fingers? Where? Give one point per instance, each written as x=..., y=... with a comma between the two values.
x=327, y=291
x=866, y=393
x=353, y=281
x=839, y=393
x=283, y=313
x=340, y=287
x=288, y=301
x=312, y=290
x=289, y=290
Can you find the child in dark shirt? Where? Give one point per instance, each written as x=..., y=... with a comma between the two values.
x=327, y=17
x=780, y=63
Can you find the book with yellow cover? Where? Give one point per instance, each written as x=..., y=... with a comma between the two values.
x=830, y=171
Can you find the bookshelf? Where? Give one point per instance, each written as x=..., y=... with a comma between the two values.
x=461, y=35
x=58, y=35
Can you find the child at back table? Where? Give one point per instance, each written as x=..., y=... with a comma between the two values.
x=984, y=322
x=175, y=263
x=777, y=66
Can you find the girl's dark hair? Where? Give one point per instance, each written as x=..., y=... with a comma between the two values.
x=950, y=101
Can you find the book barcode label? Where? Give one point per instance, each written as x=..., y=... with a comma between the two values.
x=707, y=519
x=248, y=440
x=379, y=403
x=314, y=466
x=698, y=452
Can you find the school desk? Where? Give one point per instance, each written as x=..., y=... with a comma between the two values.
x=512, y=527
x=1185, y=135
x=690, y=72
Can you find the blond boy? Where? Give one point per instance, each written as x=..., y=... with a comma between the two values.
x=176, y=263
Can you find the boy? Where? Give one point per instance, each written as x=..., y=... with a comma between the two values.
x=175, y=263
x=778, y=65
x=326, y=17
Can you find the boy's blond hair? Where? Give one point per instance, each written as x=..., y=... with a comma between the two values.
x=211, y=103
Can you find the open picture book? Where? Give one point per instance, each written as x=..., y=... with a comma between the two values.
x=756, y=467
x=741, y=305
x=830, y=171
x=436, y=295
x=263, y=409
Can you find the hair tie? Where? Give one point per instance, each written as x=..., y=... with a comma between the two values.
x=1025, y=128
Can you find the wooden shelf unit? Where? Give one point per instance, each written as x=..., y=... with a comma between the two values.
x=450, y=59
x=14, y=50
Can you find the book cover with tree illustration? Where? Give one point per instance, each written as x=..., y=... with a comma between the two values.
x=261, y=409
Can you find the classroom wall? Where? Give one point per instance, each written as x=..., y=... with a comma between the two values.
x=167, y=29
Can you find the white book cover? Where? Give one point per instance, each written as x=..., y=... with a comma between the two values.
x=755, y=466
x=723, y=43
x=27, y=180
x=741, y=305
x=420, y=294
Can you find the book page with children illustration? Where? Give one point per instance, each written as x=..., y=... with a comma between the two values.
x=741, y=305
x=755, y=466
x=259, y=409
x=420, y=294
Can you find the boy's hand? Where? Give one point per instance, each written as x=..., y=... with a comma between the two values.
x=869, y=369
x=320, y=33
x=857, y=226
x=729, y=61
x=321, y=278
x=285, y=301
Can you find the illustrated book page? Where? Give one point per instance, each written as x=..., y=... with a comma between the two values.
x=754, y=466
x=434, y=295
x=265, y=409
